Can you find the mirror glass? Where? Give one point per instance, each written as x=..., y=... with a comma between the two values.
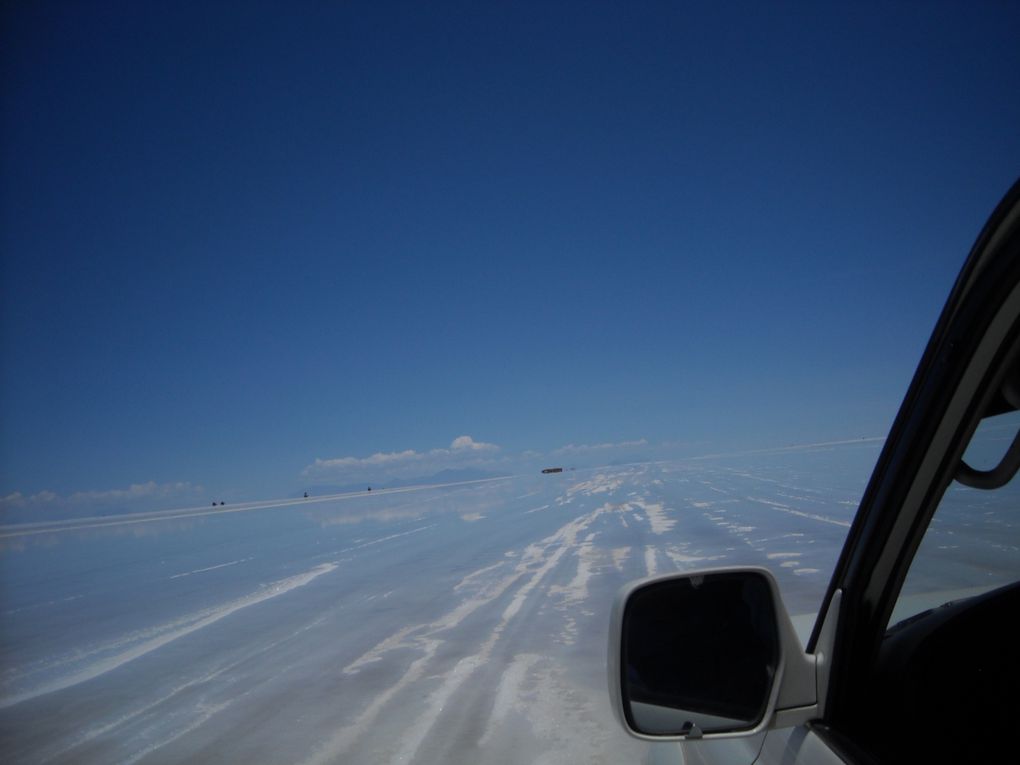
x=699, y=654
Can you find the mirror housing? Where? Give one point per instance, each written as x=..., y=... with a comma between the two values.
x=707, y=654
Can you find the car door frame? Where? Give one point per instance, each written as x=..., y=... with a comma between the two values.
x=955, y=383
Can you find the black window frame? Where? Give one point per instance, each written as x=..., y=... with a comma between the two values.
x=917, y=464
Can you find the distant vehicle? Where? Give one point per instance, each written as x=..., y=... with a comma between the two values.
x=552, y=470
x=888, y=675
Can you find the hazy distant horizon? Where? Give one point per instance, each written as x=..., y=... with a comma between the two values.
x=153, y=499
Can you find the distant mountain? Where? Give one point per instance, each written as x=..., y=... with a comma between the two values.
x=443, y=476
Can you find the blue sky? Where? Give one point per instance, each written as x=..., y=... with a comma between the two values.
x=243, y=240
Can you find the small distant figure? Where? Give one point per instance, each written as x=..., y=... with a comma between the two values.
x=370, y=488
x=223, y=503
x=306, y=495
x=214, y=504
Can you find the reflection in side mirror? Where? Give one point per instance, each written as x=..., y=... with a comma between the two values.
x=699, y=654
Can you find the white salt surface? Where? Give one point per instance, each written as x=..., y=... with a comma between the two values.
x=458, y=625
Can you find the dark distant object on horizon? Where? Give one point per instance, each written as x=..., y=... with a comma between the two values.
x=214, y=504
x=552, y=470
x=306, y=495
x=222, y=503
x=369, y=488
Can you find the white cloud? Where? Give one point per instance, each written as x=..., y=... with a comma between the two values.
x=17, y=499
x=46, y=500
x=466, y=442
x=586, y=448
x=348, y=464
x=464, y=451
x=147, y=490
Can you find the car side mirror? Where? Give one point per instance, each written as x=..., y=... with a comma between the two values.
x=706, y=654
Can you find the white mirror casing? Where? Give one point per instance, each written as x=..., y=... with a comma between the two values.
x=800, y=681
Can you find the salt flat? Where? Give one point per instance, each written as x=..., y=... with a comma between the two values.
x=460, y=624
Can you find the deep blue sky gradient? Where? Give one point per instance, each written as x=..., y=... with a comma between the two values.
x=237, y=237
